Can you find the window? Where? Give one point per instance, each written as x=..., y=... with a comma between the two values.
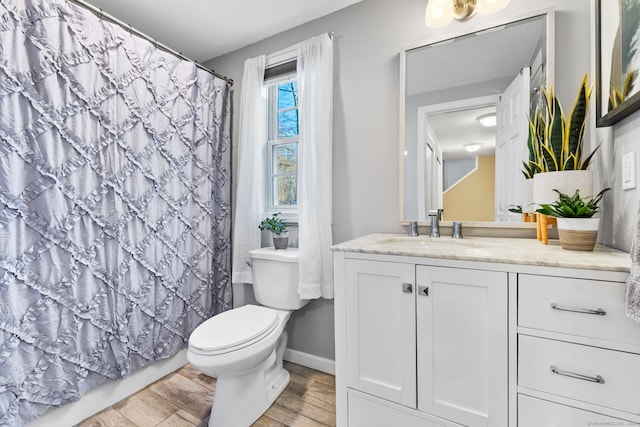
x=282, y=154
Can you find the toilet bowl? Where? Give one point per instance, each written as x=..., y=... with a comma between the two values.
x=244, y=347
x=246, y=363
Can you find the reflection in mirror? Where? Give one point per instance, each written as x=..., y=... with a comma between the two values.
x=451, y=160
x=467, y=150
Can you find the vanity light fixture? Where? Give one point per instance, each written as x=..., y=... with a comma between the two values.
x=473, y=147
x=440, y=12
x=487, y=120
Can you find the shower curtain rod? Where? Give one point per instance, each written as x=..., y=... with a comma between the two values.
x=103, y=15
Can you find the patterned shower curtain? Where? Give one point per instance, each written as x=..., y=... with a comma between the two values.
x=114, y=204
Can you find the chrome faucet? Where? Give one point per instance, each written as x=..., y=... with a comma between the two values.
x=436, y=216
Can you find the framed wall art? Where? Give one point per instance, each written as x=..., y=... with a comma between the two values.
x=617, y=60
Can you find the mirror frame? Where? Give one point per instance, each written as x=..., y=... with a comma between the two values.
x=549, y=14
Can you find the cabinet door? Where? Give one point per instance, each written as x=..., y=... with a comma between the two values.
x=381, y=354
x=462, y=345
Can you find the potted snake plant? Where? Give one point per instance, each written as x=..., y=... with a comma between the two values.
x=577, y=227
x=278, y=228
x=556, y=144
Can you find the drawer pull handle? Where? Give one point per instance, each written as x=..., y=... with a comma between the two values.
x=597, y=379
x=598, y=312
x=407, y=288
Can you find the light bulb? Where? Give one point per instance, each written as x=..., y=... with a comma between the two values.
x=487, y=120
x=472, y=148
x=438, y=13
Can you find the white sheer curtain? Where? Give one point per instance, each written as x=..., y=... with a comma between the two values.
x=249, y=191
x=315, y=83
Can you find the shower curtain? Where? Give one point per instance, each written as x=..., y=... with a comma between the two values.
x=114, y=203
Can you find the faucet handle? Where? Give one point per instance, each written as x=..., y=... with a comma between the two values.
x=456, y=231
x=413, y=229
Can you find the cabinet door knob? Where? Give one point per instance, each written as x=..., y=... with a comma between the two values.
x=407, y=288
x=423, y=290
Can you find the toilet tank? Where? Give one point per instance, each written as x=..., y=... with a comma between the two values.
x=275, y=278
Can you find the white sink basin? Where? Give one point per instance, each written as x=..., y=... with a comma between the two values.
x=426, y=242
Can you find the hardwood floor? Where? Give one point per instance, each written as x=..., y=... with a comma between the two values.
x=184, y=397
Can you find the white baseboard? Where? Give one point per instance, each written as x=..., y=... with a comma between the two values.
x=108, y=394
x=310, y=361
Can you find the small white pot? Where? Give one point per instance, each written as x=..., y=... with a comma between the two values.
x=578, y=234
x=280, y=241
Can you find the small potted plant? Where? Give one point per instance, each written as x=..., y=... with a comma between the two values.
x=577, y=229
x=278, y=229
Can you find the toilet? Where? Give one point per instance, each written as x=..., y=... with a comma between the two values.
x=243, y=347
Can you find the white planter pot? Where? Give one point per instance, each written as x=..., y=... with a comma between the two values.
x=566, y=182
x=578, y=234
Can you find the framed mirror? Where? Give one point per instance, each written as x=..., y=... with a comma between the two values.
x=465, y=103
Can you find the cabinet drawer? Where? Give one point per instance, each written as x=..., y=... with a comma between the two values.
x=619, y=372
x=365, y=410
x=537, y=294
x=534, y=412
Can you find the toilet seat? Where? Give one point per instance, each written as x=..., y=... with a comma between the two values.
x=233, y=330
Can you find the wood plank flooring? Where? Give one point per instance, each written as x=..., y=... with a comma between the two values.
x=183, y=399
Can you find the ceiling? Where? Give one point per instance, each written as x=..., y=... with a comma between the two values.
x=206, y=29
x=456, y=128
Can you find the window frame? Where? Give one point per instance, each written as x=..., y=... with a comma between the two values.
x=288, y=213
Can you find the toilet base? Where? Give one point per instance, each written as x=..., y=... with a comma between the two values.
x=240, y=401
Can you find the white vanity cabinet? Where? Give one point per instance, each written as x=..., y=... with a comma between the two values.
x=486, y=332
x=425, y=344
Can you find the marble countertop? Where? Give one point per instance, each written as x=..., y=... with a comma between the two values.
x=488, y=249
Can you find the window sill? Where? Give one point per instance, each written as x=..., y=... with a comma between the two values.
x=290, y=217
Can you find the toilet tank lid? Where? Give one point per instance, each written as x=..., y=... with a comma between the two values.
x=284, y=255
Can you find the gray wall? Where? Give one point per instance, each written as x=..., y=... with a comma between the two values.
x=456, y=169
x=621, y=206
x=368, y=39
